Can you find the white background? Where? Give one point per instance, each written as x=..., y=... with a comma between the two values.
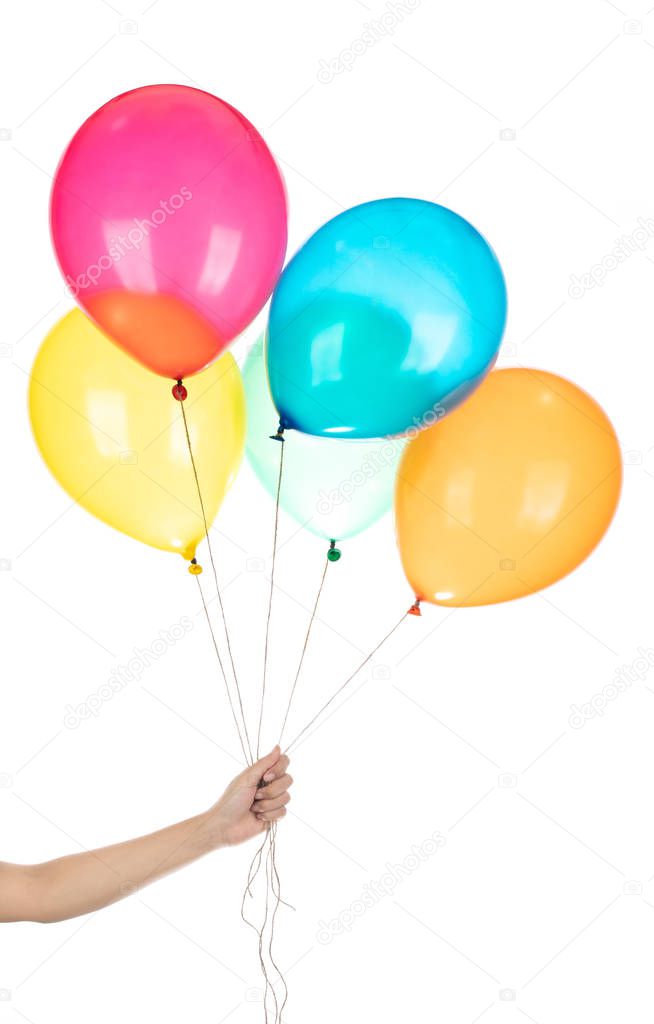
x=534, y=121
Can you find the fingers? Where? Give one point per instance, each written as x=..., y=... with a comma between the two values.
x=274, y=789
x=262, y=767
x=271, y=805
x=270, y=800
x=272, y=815
x=278, y=768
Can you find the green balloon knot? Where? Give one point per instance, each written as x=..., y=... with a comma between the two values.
x=334, y=553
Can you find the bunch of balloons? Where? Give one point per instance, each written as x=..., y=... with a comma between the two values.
x=169, y=222
x=169, y=219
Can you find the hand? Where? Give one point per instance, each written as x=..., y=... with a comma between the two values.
x=246, y=809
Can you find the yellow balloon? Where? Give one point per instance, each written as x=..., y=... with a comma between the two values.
x=508, y=493
x=113, y=436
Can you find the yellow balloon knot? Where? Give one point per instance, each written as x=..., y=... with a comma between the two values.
x=195, y=569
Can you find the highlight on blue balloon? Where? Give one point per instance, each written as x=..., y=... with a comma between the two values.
x=388, y=317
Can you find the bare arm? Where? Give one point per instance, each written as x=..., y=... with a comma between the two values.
x=85, y=882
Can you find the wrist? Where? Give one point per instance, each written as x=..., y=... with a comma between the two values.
x=210, y=831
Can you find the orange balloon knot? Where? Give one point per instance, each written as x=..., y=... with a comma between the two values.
x=415, y=608
x=194, y=568
x=279, y=436
x=179, y=391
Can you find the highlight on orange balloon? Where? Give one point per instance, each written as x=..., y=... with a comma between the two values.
x=507, y=494
x=164, y=333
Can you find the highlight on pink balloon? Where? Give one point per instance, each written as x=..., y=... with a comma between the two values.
x=169, y=221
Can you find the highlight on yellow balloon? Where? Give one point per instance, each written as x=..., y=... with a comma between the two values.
x=507, y=494
x=113, y=436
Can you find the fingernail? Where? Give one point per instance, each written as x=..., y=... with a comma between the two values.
x=269, y=776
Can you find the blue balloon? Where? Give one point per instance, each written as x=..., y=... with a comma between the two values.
x=387, y=318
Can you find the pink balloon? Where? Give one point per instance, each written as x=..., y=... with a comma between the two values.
x=168, y=217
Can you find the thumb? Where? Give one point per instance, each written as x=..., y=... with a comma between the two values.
x=254, y=774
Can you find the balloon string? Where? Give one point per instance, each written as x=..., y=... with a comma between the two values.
x=304, y=649
x=264, y=860
x=270, y=892
x=253, y=872
x=348, y=681
x=273, y=880
x=272, y=587
x=222, y=669
x=269, y=987
x=248, y=755
x=275, y=887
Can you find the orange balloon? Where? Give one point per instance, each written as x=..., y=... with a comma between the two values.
x=508, y=493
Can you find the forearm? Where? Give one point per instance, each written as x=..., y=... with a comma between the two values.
x=86, y=882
